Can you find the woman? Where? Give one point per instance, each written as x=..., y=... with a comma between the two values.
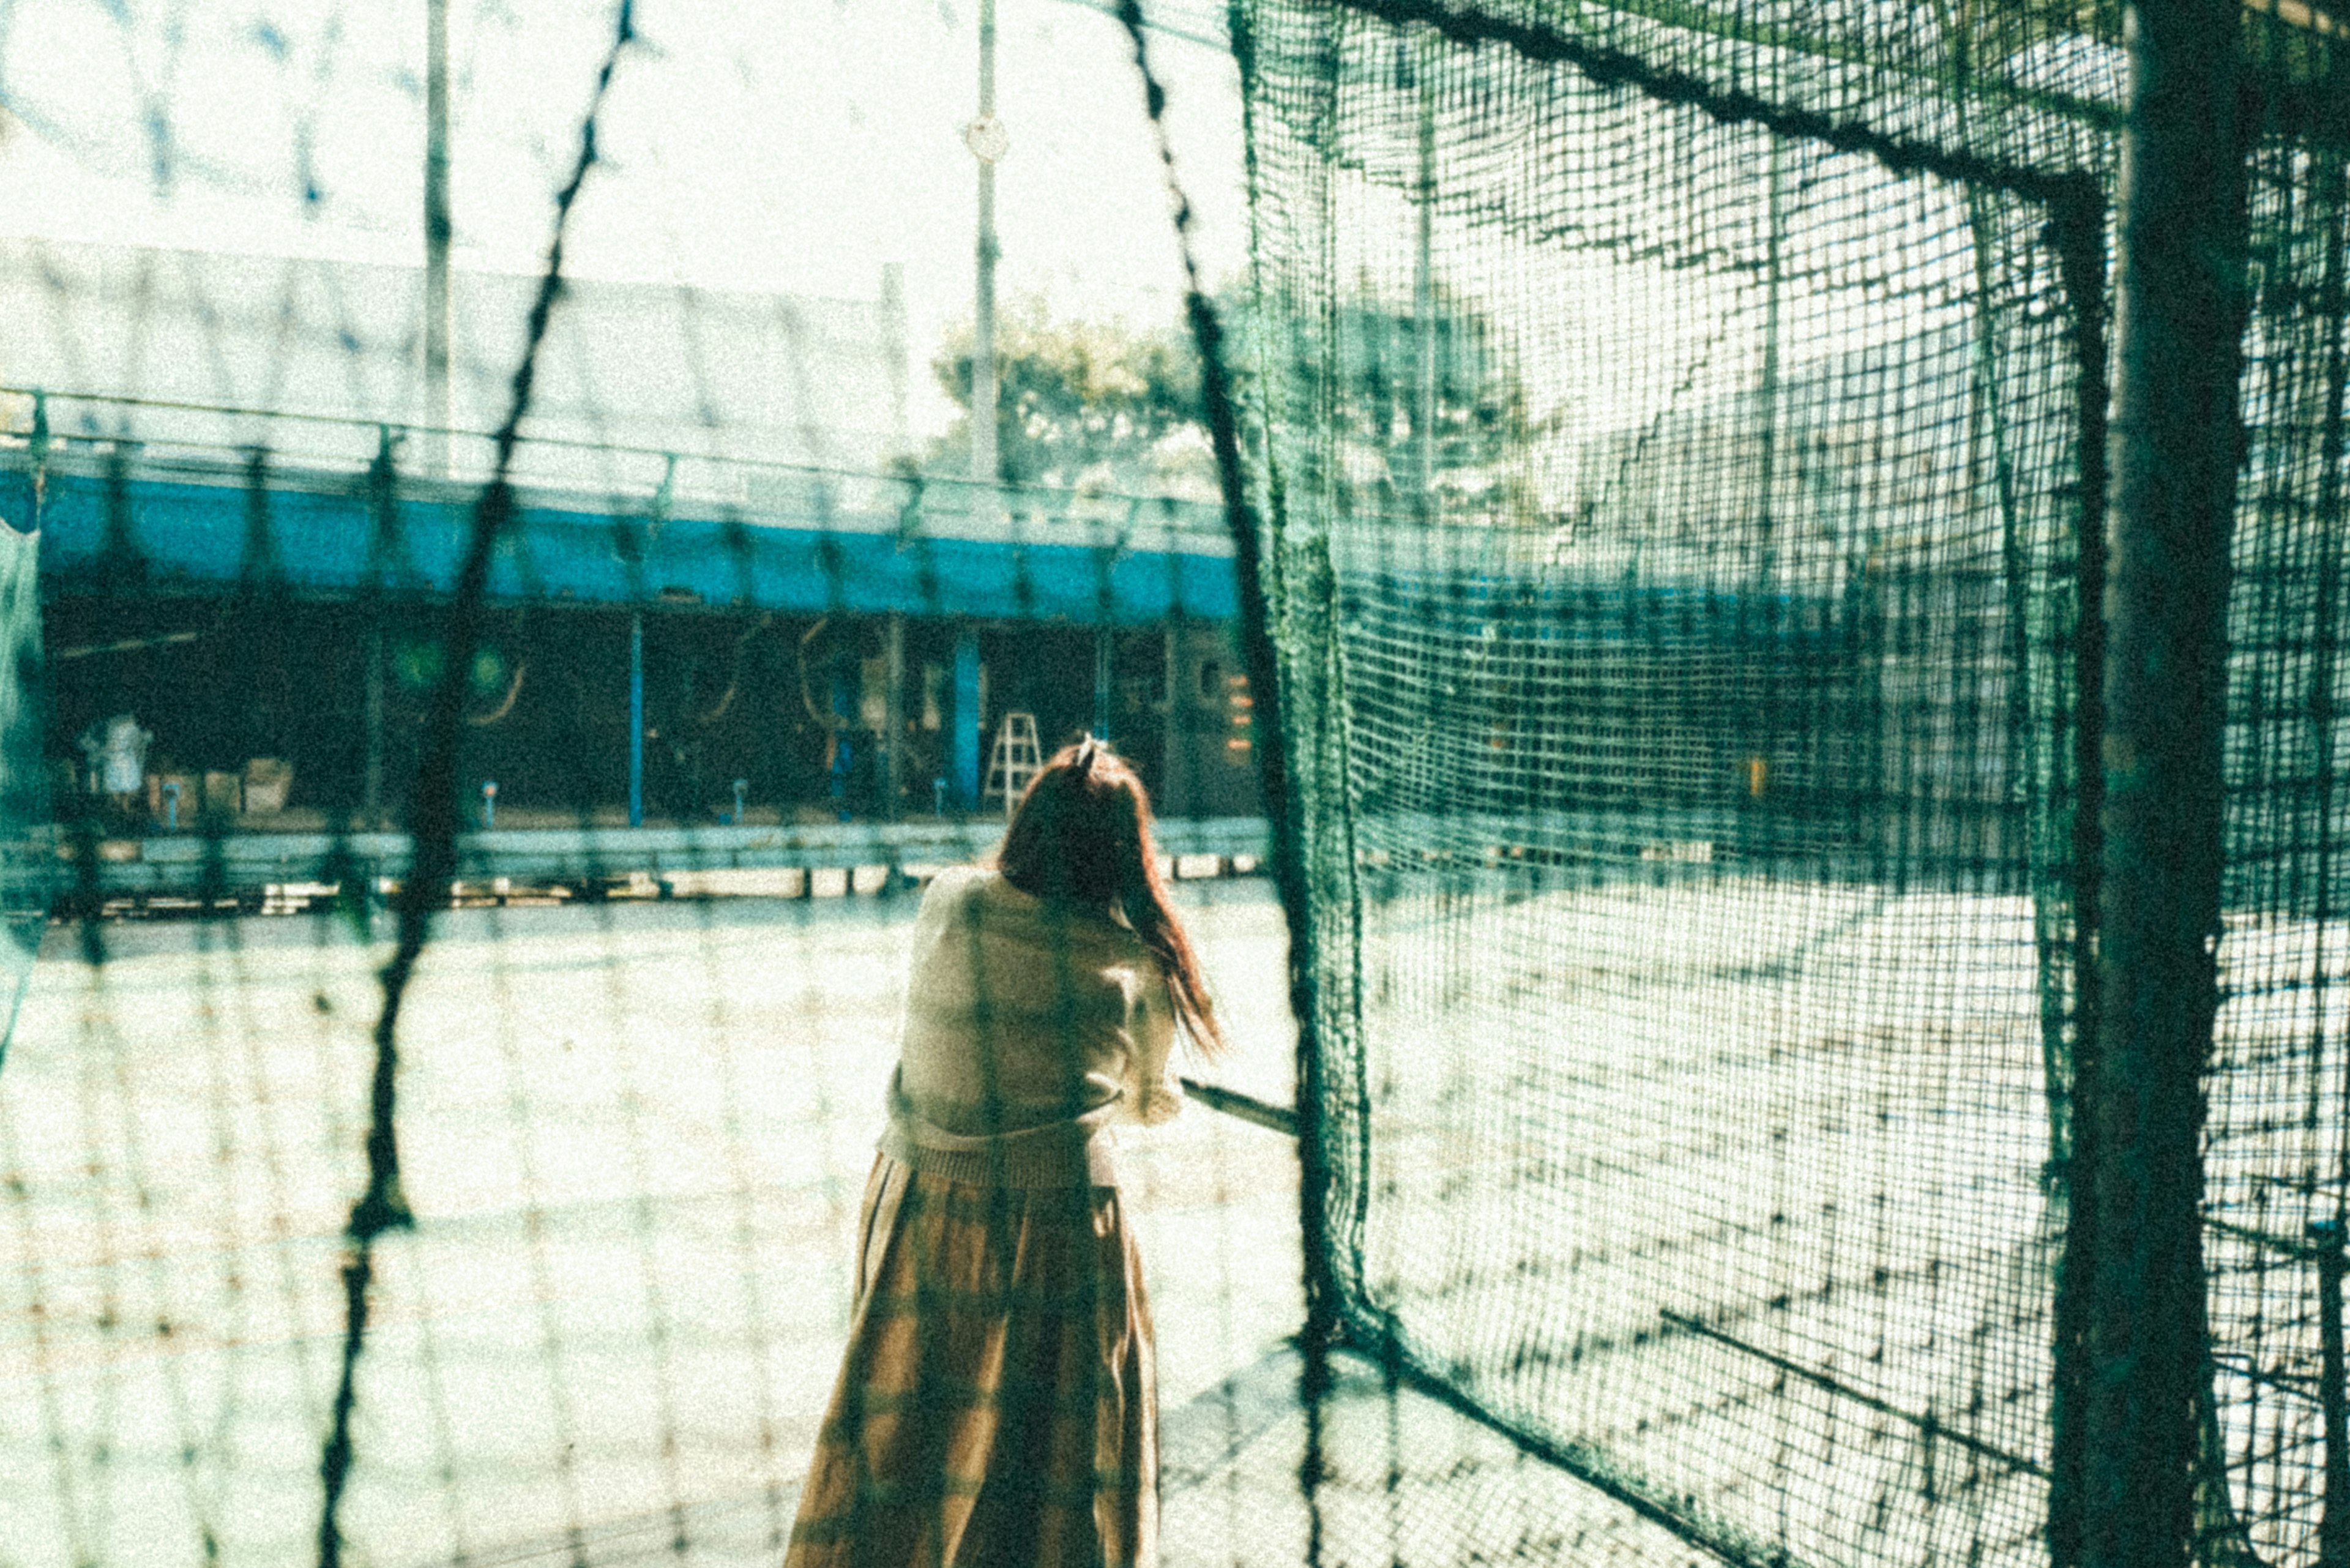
x=997, y=1404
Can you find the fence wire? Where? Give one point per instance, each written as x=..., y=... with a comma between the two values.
x=1682, y=432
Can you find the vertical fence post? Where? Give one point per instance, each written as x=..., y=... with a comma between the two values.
x=371, y=780
x=981, y=137
x=38, y=449
x=2079, y=234
x=962, y=753
x=1104, y=652
x=1173, y=794
x=893, y=718
x=437, y=233
x=2334, y=1524
x=637, y=718
x=2176, y=439
x=1424, y=331
x=383, y=547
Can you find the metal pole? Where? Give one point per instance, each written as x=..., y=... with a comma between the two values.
x=371, y=796
x=1423, y=297
x=1766, y=464
x=2334, y=1524
x=1105, y=650
x=436, y=235
x=39, y=451
x=2332, y=209
x=2175, y=437
x=383, y=505
x=1174, y=774
x=984, y=140
x=964, y=743
x=893, y=719
x=893, y=340
x=636, y=719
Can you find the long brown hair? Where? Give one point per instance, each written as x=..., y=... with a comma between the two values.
x=1083, y=832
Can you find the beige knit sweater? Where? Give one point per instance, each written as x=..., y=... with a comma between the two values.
x=1031, y=1026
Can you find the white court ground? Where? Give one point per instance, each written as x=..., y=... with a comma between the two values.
x=634, y=1137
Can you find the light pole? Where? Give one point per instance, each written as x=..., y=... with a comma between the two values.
x=988, y=143
x=436, y=235
x=1423, y=292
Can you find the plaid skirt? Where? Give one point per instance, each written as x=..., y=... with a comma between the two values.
x=997, y=1407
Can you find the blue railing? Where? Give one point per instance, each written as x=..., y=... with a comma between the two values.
x=163, y=507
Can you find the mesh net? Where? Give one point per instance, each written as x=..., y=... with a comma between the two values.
x=469, y=819
x=1675, y=428
x=485, y=814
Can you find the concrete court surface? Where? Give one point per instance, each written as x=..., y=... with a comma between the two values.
x=634, y=1137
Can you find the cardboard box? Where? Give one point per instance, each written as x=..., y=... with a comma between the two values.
x=267, y=782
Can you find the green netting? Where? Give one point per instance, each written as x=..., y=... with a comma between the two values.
x=434, y=1128
x=472, y=824
x=1675, y=427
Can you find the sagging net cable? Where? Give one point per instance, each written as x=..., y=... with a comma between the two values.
x=1283, y=803
x=383, y=1207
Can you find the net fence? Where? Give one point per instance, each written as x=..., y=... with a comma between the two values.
x=472, y=821
x=1682, y=458
x=464, y=825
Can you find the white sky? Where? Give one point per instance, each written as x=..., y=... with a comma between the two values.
x=794, y=147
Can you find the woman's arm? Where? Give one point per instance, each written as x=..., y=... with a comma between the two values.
x=1152, y=1094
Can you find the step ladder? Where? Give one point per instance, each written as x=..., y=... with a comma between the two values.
x=1014, y=759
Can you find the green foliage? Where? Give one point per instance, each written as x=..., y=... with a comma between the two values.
x=1394, y=396
x=1101, y=406
x=1083, y=405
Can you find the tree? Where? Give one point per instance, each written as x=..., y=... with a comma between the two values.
x=1087, y=405
x=1479, y=432
x=1083, y=405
